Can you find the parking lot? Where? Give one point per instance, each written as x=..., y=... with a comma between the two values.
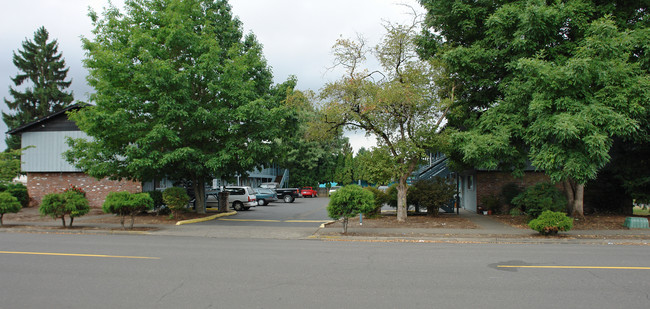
x=303, y=212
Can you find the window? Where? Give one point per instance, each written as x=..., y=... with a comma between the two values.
x=470, y=182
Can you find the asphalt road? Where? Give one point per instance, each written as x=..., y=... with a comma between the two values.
x=125, y=271
x=303, y=212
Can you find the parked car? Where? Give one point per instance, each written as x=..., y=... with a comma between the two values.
x=288, y=195
x=241, y=198
x=333, y=189
x=308, y=192
x=265, y=196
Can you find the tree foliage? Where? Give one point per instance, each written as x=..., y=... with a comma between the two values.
x=309, y=155
x=9, y=164
x=127, y=204
x=547, y=82
x=39, y=87
x=59, y=205
x=180, y=93
x=348, y=202
x=8, y=204
x=398, y=104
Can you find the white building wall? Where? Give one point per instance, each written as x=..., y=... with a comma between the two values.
x=47, y=154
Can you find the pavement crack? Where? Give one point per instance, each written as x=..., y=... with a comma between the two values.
x=180, y=285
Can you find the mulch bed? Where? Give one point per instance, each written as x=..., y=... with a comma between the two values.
x=31, y=214
x=590, y=222
x=448, y=221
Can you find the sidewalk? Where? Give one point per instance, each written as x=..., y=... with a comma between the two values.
x=489, y=231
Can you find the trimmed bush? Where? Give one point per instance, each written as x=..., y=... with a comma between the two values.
x=176, y=200
x=17, y=190
x=551, y=222
x=539, y=198
x=8, y=204
x=348, y=202
x=127, y=204
x=58, y=205
x=380, y=198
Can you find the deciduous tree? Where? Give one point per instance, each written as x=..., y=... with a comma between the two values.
x=181, y=92
x=551, y=83
x=398, y=104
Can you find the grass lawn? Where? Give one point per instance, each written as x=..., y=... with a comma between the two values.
x=638, y=211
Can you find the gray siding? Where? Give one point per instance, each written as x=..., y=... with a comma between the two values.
x=47, y=156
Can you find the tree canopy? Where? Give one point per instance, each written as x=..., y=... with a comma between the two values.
x=551, y=83
x=39, y=87
x=181, y=92
x=398, y=104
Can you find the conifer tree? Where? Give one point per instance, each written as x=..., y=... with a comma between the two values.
x=42, y=75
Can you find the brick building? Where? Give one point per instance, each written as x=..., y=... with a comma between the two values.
x=46, y=169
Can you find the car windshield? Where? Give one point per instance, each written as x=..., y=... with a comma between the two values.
x=263, y=191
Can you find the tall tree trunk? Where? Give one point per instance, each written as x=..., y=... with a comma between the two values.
x=71, y=220
x=198, y=184
x=1, y=215
x=402, y=205
x=345, y=225
x=575, y=193
x=63, y=220
x=570, y=195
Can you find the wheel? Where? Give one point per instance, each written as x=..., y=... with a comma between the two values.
x=238, y=206
x=288, y=199
x=261, y=202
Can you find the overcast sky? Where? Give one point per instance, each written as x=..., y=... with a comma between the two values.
x=297, y=35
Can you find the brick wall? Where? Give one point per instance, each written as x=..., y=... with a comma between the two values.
x=40, y=184
x=490, y=183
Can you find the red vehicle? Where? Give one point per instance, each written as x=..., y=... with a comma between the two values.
x=308, y=192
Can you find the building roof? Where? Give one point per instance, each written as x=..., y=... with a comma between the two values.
x=45, y=119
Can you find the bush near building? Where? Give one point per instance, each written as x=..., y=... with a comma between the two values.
x=127, y=204
x=8, y=204
x=58, y=205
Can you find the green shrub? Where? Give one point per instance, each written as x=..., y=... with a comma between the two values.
x=539, y=198
x=348, y=202
x=508, y=192
x=157, y=198
x=17, y=190
x=127, y=204
x=8, y=204
x=392, y=195
x=550, y=222
x=491, y=202
x=432, y=194
x=380, y=198
x=176, y=199
x=58, y=205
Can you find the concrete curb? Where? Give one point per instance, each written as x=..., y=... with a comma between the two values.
x=459, y=239
x=225, y=214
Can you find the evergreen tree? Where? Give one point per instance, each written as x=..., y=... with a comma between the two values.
x=41, y=64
